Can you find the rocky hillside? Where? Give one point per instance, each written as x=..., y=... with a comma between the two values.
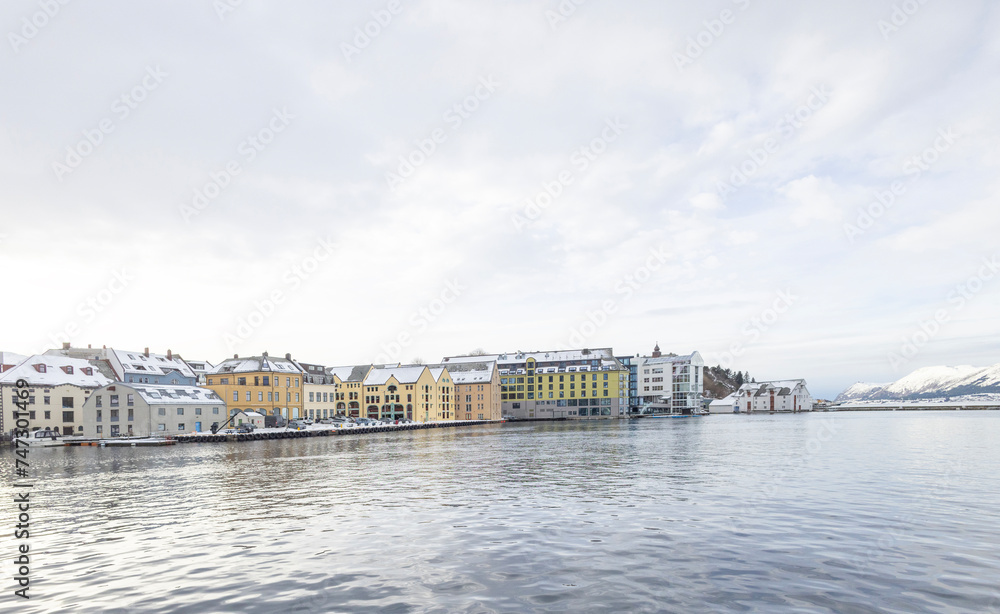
x=720, y=383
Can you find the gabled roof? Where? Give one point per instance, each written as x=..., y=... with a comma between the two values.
x=780, y=387
x=255, y=364
x=138, y=363
x=403, y=375
x=470, y=372
x=49, y=370
x=356, y=373
x=169, y=394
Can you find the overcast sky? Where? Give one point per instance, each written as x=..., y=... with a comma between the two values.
x=531, y=175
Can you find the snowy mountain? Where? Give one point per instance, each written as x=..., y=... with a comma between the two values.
x=929, y=383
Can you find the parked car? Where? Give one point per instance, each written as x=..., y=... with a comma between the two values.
x=244, y=428
x=306, y=421
x=326, y=421
x=297, y=425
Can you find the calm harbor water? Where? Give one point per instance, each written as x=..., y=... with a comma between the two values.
x=859, y=512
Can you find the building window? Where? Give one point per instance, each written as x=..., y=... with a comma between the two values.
x=47, y=400
x=99, y=417
x=114, y=400
x=241, y=381
x=236, y=396
x=180, y=411
x=248, y=396
x=266, y=380
x=131, y=415
x=130, y=399
x=161, y=427
x=67, y=416
x=98, y=402
x=67, y=403
x=114, y=415
x=162, y=411
x=215, y=410
x=180, y=426
x=260, y=396
x=99, y=428
x=296, y=397
x=311, y=395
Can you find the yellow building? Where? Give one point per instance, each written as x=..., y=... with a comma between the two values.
x=575, y=384
x=477, y=388
x=415, y=392
x=269, y=386
x=349, y=388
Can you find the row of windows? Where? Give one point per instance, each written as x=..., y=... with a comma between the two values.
x=67, y=416
x=541, y=395
x=258, y=380
x=541, y=378
x=272, y=397
x=113, y=400
x=573, y=403
x=67, y=402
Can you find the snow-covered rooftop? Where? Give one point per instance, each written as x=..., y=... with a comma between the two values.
x=166, y=394
x=354, y=373
x=138, y=363
x=253, y=364
x=48, y=370
x=403, y=375
x=478, y=372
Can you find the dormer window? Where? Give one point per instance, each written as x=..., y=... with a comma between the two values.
x=68, y=369
x=88, y=370
x=40, y=368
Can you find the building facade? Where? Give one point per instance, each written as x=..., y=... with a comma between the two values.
x=320, y=392
x=477, y=389
x=670, y=383
x=349, y=383
x=414, y=392
x=151, y=410
x=269, y=386
x=774, y=396
x=146, y=368
x=575, y=384
x=57, y=389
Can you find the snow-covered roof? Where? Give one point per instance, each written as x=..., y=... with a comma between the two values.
x=479, y=372
x=48, y=370
x=138, y=363
x=403, y=375
x=169, y=394
x=254, y=364
x=725, y=402
x=250, y=414
x=437, y=372
x=355, y=373
x=200, y=366
x=783, y=387
x=10, y=358
x=693, y=358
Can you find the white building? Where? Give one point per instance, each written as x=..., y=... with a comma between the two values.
x=151, y=410
x=727, y=405
x=671, y=383
x=200, y=368
x=774, y=396
x=251, y=418
x=57, y=388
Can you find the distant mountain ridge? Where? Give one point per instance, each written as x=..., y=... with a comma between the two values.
x=929, y=383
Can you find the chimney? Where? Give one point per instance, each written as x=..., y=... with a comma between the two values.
x=170, y=355
x=65, y=345
x=146, y=352
x=88, y=347
x=236, y=355
x=288, y=356
x=264, y=354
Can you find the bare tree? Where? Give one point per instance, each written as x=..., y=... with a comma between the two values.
x=417, y=361
x=478, y=352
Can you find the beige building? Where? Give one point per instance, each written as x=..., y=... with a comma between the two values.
x=414, y=392
x=320, y=390
x=57, y=387
x=151, y=410
x=264, y=384
x=477, y=389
